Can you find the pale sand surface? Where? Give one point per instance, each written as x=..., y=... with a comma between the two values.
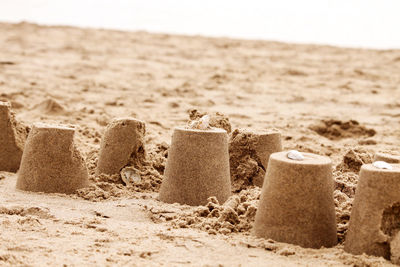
x=96, y=75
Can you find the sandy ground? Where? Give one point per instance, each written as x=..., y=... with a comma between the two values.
x=85, y=77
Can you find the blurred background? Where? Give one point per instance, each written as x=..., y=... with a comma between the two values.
x=351, y=23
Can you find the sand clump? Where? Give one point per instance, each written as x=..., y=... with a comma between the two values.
x=343, y=210
x=236, y=215
x=354, y=159
x=158, y=157
x=336, y=129
x=216, y=119
x=12, y=139
x=99, y=191
x=345, y=182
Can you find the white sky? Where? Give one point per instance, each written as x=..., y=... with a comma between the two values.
x=368, y=23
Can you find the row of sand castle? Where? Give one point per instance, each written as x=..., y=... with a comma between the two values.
x=296, y=204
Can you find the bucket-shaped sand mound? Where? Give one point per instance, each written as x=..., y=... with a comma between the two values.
x=51, y=163
x=122, y=144
x=12, y=140
x=296, y=204
x=197, y=167
x=249, y=153
x=375, y=217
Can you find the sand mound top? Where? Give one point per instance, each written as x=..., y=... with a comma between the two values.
x=217, y=120
x=336, y=129
x=50, y=106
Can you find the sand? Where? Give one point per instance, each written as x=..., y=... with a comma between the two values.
x=336, y=102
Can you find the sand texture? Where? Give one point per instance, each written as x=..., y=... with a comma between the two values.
x=336, y=102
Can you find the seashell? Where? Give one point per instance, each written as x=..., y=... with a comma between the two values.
x=130, y=175
x=193, y=124
x=382, y=165
x=295, y=155
x=204, y=122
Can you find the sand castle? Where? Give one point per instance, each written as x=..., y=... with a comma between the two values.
x=12, y=139
x=375, y=217
x=296, y=204
x=268, y=142
x=249, y=148
x=122, y=145
x=197, y=167
x=50, y=162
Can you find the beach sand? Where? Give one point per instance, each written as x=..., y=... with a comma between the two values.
x=337, y=102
